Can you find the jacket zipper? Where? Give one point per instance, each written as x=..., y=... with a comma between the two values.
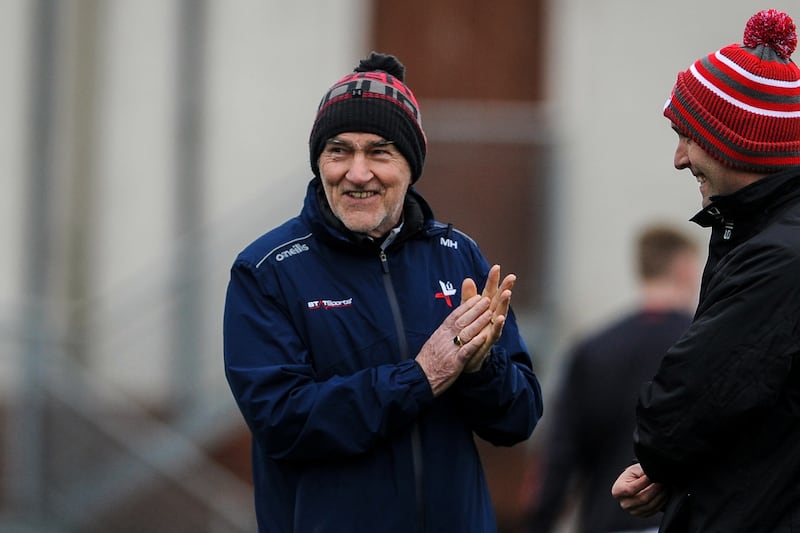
x=416, y=441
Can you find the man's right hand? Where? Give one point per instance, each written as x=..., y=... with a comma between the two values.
x=441, y=358
x=637, y=494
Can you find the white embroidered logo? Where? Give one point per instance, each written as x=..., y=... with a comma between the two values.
x=329, y=304
x=294, y=250
x=447, y=291
x=450, y=243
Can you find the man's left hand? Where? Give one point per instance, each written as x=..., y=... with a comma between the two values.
x=500, y=294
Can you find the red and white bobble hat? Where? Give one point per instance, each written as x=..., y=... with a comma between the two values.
x=742, y=102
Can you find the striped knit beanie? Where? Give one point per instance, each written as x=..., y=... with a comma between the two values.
x=373, y=99
x=742, y=103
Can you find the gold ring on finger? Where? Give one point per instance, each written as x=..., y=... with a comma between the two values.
x=457, y=341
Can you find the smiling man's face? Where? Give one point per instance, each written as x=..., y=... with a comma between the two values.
x=365, y=178
x=715, y=179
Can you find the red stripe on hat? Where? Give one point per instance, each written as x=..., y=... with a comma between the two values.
x=721, y=141
x=760, y=95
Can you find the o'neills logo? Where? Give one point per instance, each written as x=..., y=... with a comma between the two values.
x=330, y=304
x=294, y=250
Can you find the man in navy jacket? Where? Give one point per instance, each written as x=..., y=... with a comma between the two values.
x=357, y=345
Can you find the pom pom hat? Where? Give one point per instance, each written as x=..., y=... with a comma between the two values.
x=373, y=99
x=742, y=103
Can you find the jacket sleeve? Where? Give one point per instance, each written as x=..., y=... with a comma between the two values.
x=727, y=369
x=294, y=415
x=502, y=402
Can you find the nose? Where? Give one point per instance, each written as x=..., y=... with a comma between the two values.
x=681, y=159
x=359, y=171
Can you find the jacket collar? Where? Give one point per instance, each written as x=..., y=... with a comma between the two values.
x=748, y=203
x=736, y=217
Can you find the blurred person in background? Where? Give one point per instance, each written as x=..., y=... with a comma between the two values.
x=588, y=440
x=356, y=343
x=718, y=427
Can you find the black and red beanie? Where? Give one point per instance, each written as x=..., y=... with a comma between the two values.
x=373, y=99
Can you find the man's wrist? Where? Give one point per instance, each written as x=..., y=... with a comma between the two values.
x=474, y=369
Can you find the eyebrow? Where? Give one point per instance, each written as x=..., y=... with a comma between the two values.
x=348, y=144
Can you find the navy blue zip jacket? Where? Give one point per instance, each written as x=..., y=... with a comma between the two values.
x=320, y=333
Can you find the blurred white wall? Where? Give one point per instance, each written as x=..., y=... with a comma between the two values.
x=267, y=65
x=13, y=51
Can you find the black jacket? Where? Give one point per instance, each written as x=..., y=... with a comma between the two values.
x=720, y=422
x=589, y=439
